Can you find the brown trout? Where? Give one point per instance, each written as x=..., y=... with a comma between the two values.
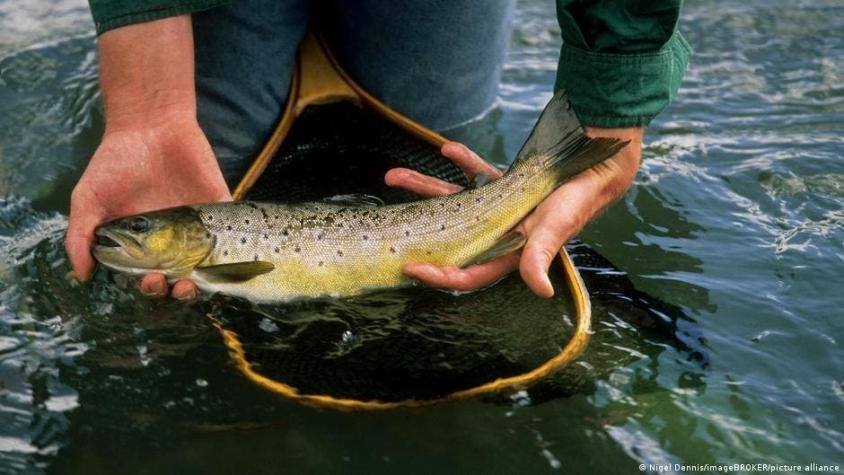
x=272, y=252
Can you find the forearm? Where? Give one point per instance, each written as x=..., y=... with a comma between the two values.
x=147, y=73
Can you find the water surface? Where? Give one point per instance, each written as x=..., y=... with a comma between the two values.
x=736, y=219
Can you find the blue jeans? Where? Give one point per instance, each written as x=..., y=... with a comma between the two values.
x=435, y=61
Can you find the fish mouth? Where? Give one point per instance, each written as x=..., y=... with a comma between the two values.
x=105, y=241
x=111, y=244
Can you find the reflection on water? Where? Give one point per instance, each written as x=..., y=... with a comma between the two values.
x=734, y=231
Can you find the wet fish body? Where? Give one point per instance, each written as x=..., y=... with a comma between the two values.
x=270, y=252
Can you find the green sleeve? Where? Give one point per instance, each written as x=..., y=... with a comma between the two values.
x=111, y=14
x=622, y=61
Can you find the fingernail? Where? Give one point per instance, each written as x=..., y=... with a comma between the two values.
x=191, y=295
x=151, y=291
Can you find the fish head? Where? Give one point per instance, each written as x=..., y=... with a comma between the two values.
x=171, y=241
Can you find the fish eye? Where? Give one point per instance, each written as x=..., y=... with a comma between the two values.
x=138, y=224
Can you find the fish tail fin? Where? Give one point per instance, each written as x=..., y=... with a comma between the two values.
x=558, y=140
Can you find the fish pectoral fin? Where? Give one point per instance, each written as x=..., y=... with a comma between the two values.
x=354, y=199
x=235, y=272
x=508, y=243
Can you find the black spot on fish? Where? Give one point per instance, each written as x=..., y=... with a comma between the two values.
x=276, y=250
x=229, y=227
x=225, y=252
x=207, y=235
x=210, y=217
x=246, y=221
x=321, y=263
x=521, y=175
x=478, y=199
x=285, y=232
x=243, y=240
x=365, y=237
x=297, y=249
x=428, y=252
x=256, y=257
x=392, y=250
x=339, y=253
x=407, y=233
x=442, y=227
x=266, y=236
x=319, y=237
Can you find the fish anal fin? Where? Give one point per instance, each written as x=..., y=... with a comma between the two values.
x=508, y=243
x=234, y=272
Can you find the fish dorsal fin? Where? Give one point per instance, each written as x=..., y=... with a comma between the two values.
x=481, y=179
x=557, y=120
x=355, y=199
x=506, y=244
x=234, y=272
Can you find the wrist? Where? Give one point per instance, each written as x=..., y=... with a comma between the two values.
x=612, y=178
x=160, y=108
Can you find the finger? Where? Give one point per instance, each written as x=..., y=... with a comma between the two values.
x=185, y=290
x=153, y=284
x=455, y=278
x=468, y=161
x=80, y=238
x=419, y=183
x=539, y=252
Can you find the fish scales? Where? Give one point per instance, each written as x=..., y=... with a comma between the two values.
x=322, y=249
x=272, y=252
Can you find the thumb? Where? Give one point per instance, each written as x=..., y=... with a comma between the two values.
x=540, y=251
x=80, y=238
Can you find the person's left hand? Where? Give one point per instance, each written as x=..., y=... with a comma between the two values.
x=553, y=223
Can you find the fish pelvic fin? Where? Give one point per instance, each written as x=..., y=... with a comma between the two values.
x=559, y=141
x=506, y=244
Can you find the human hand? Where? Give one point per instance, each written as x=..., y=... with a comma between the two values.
x=553, y=223
x=153, y=154
x=137, y=169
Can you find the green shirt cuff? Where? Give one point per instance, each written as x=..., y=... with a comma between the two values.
x=111, y=14
x=622, y=90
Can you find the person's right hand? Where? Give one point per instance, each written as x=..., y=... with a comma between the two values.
x=137, y=169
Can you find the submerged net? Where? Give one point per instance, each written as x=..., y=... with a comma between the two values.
x=399, y=345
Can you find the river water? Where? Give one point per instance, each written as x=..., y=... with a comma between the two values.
x=736, y=220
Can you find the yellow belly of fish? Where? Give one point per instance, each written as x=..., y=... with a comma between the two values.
x=317, y=270
x=309, y=275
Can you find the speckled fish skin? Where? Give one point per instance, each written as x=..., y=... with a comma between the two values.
x=330, y=250
x=318, y=249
